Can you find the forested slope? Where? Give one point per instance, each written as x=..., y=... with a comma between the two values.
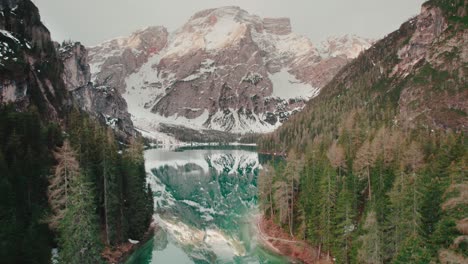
x=376, y=164
x=65, y=181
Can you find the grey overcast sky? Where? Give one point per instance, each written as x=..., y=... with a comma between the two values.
x=94, y=21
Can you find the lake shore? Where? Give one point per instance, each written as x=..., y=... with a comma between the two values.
x=275, y=239
x=121, y=253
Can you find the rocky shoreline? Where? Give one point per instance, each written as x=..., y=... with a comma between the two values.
x=272, y=237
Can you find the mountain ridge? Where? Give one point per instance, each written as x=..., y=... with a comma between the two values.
x=256, y=71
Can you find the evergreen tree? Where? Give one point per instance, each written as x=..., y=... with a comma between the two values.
x=371, y=248
x=310, y=196
x=138, y=211
x=413, y=251
x=79, y=231
x=344, y=220
x=281, y=200
x=327, y=209
x=111, y=189
x=293, y=167
x=265, y=190
x=405, y=197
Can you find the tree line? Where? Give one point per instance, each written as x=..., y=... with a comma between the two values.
x=371, y=197
x=71, y=187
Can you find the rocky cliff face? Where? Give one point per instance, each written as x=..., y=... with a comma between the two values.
x=29, y=66
x=34, y=71
x=225, y=69
x=103, y=102
x=76, y=72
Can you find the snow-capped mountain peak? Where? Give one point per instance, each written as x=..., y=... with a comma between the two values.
x=224, y=69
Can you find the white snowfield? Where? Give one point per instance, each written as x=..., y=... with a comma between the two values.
x=286, y=86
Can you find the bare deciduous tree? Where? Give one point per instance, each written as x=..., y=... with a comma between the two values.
x=336, y=156
x=365, y=158
x=59, y=182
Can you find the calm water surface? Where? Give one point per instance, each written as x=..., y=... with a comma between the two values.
x=205, y=203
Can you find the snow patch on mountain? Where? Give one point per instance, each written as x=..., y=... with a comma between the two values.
x=286, y=86
x=225, y=31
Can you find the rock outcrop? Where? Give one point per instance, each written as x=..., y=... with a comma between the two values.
x=278, y=26
x=103, y=102
x=347, y=46
x=76, y=72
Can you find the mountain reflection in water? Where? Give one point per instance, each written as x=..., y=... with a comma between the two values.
x=205, y=203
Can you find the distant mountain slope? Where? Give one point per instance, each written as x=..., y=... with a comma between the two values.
x=225, y=69
x=417, y=72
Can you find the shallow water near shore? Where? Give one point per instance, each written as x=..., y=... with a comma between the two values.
x=205, y=207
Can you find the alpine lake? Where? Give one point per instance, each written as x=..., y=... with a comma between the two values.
x=206, y=207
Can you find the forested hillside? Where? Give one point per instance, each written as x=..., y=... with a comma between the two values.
x=67, y=187
x=376, y=164
x=65, y=181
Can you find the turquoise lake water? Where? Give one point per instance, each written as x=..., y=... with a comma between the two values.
x=206, y=204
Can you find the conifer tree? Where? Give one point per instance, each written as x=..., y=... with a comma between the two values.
x=265, y=190
x=371, y=249
x=292, y=169
x=79, y=235
x=138, y=210
x=281, y=200
x=336, y=156
x=112, y=187
x=327, y=208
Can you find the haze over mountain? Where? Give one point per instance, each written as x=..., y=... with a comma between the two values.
x=314, y=19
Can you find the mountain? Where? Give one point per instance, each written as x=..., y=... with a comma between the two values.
x=224, y=69
x=373, y=170
x=35, y=71
x=419, y=70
